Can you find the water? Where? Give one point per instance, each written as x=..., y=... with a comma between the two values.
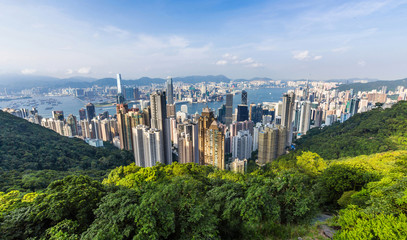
x=71, y=105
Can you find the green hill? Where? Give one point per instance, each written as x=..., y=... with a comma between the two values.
x=26, y=148
x=390, y=84
x=378, y=130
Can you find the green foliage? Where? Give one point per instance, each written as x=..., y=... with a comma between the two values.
x=32, y=156
x=371, y=132
x=311, y=163
x=356, y=224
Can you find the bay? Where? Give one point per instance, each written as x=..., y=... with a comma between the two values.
x=71, y=105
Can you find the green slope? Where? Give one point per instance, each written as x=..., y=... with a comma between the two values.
x=26, y=148
x=366, y=133
x=391, y=85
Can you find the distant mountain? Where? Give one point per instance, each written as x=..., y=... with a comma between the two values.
x=391, y=85
x=19, y=82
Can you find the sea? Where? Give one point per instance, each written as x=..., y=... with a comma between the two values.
x=71, y=105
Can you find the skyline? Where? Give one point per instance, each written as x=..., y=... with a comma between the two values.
x=317, y=39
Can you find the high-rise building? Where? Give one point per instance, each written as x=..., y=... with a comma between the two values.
x=138, y=144
x=222, y=113
x=256, y=113
x=105, y=130
x=72, y=124
x=229, y=109
x=171, y=110
x=90, y=110
x=119, y=84
x=160, y=121
x=148, y=146
x=242, y=113
x=242, y=145
x=58, y=115
x=124, y=127
x=272, y=143
x=287, y=115
x=205, y=121
x=244, y=97
x=170, y=91
x=82, y=114
x=305, y=117
x=120, y=97
x=214, y=147
x=85, y=128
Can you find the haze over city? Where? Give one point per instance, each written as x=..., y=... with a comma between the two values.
x=240, y=39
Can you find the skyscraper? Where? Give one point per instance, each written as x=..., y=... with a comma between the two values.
x=242, y=145
x=90, y=109
x=72, y=124
x=120, y=98
x=244, y=97
x=214, y=149
x=205, y=121
x=287, y=115
x=170, y=91
x=82, y=114
x=124, y=126
x=160, y=121
x=119, y=83
x=242, y=113
x=305, y=117
x=229, y=109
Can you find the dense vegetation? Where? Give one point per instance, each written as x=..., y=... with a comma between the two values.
x=391, y=85
x=371, y=132
x=32, y=156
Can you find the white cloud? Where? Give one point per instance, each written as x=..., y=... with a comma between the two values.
x=28, y=71
x=301, y=55
x=230, y=58
x=84, y=70
x=221, y=62
x=305, y=56
x=362, y=63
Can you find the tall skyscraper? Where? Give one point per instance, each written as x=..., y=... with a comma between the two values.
x=148, y=146
x=229, y=109
x=82, y=114
x=305, y=117
x=242, y=113
x=214, y=149
x=244, y=97
x=120, y=97
x=160, y=121
x=119, y=83
x=170, y=91
x=256, y=113
x=242, y=145
x=124, y=127
x=272, y=143
x=287, y=115
x=90, y=109
x=72, y=124
x=205, y=121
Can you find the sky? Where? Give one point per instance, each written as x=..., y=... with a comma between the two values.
x=316, y=39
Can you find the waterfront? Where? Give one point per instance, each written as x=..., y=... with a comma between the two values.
x=71, y=105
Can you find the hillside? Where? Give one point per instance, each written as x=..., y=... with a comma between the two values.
x=25, y=146
x=390, y=84
x=366, y=133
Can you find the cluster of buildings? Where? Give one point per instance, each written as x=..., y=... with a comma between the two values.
x=228, y=139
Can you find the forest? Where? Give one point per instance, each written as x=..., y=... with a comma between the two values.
x=365, y=192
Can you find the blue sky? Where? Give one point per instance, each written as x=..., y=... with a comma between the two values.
x=240, y=39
